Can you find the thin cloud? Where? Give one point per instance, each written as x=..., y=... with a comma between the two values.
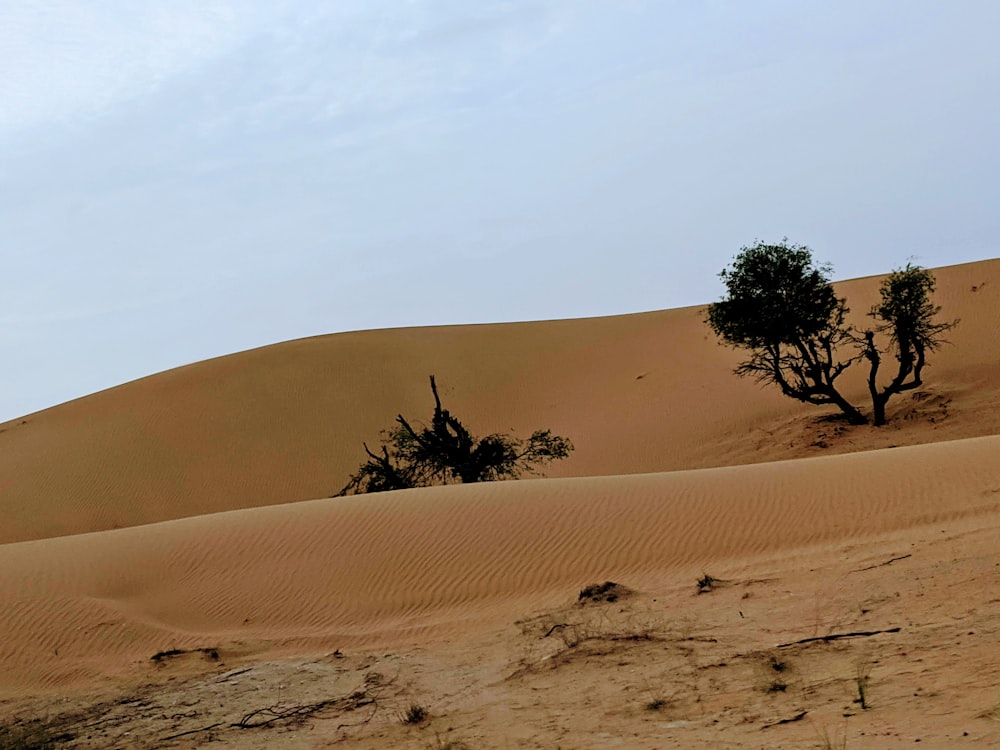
x=73, y=58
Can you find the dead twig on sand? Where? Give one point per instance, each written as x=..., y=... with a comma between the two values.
x=294, y=713
x=882, y=564
x=229, y=675
x=209, y=652
x=791, y=720
x=838, y=636
x=191, y=731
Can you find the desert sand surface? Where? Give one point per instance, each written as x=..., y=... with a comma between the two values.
x=175, y=574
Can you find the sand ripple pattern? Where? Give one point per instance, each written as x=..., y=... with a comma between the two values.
x=353, y=569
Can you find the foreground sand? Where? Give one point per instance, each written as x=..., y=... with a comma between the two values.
x=340, y=613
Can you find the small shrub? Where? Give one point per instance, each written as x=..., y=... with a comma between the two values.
x=445, y=452
x=657, y=704
x=707, y=583
x=415, y=714
x=773, y=674
x=166, y=654
x=832, y=741
x=609, y=591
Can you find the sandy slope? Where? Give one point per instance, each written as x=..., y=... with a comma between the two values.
x=426, y=584
x=637, y=393
x=404, y=567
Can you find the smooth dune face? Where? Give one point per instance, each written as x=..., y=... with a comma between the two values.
x=638, y=393
x=180, y=511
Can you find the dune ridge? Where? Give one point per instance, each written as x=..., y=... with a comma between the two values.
x=636, y=393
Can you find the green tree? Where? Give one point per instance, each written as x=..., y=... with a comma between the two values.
x=447, y=452
x=905, y=318
x=781, y=308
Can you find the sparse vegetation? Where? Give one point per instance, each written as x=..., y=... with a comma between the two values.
x=707, y=583
x=441, y=743
x=609, y=591
x=161, y=656
x=832, y=741
x=780, y=306
x=597, y=624
x=447, y=452
x=414, y=714
x=773, y=674
x=862, y=673
x=294, y=714
x=657, y=704
x=290, y=714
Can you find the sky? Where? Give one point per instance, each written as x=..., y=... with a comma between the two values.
x=184, y=179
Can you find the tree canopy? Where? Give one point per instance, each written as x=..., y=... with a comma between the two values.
x=781, y=308
x=905, y=316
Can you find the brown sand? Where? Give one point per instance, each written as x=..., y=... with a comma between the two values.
x=159, y=515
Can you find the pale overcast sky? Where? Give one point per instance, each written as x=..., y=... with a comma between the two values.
x=185, y=179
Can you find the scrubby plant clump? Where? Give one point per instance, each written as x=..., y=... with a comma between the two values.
x=446, y=452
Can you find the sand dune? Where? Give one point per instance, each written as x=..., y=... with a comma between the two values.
x=180, y=512
x=427, y=564
x=636, y=393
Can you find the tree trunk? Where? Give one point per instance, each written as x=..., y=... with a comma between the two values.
x=878, y=409
x=853, y=414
